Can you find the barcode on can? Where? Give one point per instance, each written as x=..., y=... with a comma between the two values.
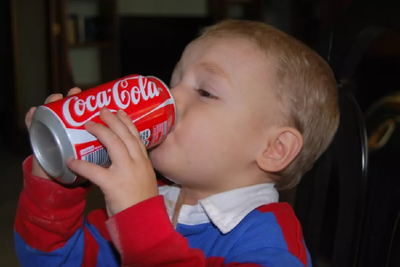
x=144, y=135
x=99, y=157
x=159, y=131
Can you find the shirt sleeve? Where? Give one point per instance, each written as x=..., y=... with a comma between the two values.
x=158, y=244
x=156, y=241
x=50, y=229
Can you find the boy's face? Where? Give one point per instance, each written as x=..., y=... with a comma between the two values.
x=221, y=88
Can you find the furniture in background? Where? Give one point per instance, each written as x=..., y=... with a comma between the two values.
x=349, y=203
x=84, y=43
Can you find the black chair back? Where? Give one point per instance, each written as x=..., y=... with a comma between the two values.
x=347, y=218
x=331, y=197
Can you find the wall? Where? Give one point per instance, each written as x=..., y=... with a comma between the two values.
x=31, y=50
x=7, y=92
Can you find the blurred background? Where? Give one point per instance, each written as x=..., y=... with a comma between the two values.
x=348, y=204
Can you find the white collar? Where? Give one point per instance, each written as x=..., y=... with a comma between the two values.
x=226, y=210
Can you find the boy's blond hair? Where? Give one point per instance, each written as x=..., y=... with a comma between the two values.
x=305, y=90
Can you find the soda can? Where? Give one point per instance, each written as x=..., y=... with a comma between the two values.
x=57, y=131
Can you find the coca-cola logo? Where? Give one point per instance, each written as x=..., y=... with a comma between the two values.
x=120, y=93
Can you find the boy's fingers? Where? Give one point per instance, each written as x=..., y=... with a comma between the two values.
x=94, y=173
x=49, y=99
x=116, y=149
x=53, y=97
x=74, y=91
x=122, y=131
x=133, y=130
x=28, y=117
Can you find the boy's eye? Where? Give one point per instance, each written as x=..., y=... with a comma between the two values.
x=204, y=93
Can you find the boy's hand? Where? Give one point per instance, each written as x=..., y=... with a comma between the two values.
x=37, y=170
x=130, y=179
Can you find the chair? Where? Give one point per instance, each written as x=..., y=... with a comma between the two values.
x=337, y=203
x=331, y=197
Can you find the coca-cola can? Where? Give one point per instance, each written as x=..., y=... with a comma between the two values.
x=57, y=131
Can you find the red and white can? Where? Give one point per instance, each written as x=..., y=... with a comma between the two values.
x=57, y=131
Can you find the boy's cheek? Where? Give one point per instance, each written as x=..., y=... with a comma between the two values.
x=162, y=155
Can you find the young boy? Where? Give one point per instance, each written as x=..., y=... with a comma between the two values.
x=256, y=108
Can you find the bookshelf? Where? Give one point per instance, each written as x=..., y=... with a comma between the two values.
x=84, y=43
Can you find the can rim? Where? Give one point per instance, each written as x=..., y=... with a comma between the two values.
x=172, y=97
x=53, y=123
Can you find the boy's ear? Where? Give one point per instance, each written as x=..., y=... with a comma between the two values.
x=282, y=147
